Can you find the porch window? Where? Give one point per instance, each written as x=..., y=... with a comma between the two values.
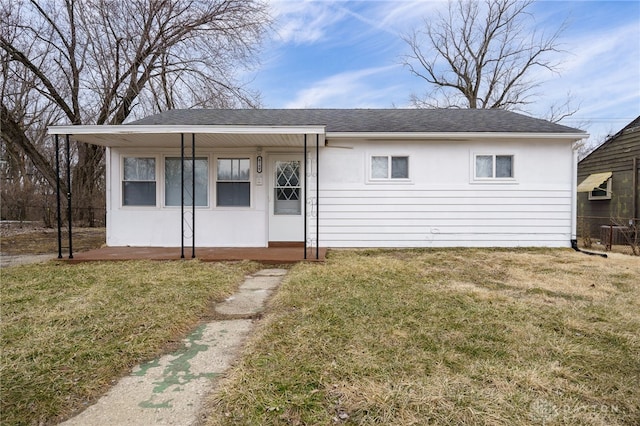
x=494, y=167
x=233, y=185
x=173, y=176
x=389, y=167
x=139, y=181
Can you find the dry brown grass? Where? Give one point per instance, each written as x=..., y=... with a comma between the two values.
x=463, y=336
x=68, y=331
x=39, y=240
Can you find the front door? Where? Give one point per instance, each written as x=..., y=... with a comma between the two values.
x=286, y=204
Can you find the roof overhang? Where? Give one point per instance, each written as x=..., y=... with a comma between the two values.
x=245, y=136
x=206, y=136
x=593, y=181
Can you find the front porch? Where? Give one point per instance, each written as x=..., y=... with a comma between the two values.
x=265, y=255
x=219, y=185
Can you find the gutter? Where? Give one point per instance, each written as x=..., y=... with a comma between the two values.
x=455, y=135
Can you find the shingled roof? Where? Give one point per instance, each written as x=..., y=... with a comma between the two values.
x=365, y=120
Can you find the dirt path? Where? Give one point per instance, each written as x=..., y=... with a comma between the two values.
x=171, y=390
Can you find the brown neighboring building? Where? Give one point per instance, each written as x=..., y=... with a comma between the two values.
x=608, y=186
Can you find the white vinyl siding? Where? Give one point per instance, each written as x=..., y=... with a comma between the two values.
x=443, y=205
x=422, y=218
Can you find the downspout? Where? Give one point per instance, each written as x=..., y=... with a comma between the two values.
x=634, y=210
x=305, y=197
x=634, y=179
x=317, y=196
x=574, y=193
x=574, y=202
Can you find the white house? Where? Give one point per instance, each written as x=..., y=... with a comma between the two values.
x=338, y=178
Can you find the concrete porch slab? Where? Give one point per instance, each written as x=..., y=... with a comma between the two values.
x=266, y=255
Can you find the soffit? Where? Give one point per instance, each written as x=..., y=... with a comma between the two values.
x=205, y=136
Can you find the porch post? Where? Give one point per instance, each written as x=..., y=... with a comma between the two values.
x=317, y=196
x=181, y=195
x=69, y=196
x=193, y=195
x=305, y=196
x=58, y=208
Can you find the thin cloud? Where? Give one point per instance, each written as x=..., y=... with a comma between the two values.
x=608, y=43
x=345, y=54
x=350, y=89
x=395, y=17
x=304, y=22
x=602, y=73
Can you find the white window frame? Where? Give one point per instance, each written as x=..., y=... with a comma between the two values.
x=157, y=181
x=233, y=156
x=607, y=196
x=493, y=178
x=388, y=179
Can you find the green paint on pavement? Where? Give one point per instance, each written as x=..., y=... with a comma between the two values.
x=149, y=404
x=144, y=368
x=178, y=372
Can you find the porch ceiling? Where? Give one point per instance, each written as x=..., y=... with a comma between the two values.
x=205, y=136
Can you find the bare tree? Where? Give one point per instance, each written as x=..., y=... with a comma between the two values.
x=108, y=61
x=482, y=55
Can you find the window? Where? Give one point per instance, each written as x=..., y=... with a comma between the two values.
x=233, y=187
x=287, y=188
x=388, y=167
x=173, y=177
x=139, y=181
x=602, y=192
x=493, y=167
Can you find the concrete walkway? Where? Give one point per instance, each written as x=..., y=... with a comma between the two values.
x=171, y=390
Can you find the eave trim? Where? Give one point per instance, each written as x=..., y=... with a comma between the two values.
x=455, y=135
x=187, y=129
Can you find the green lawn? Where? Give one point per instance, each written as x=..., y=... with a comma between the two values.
x=69, y=331
x=473, y=337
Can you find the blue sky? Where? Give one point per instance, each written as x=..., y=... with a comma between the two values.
x=347, y=54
